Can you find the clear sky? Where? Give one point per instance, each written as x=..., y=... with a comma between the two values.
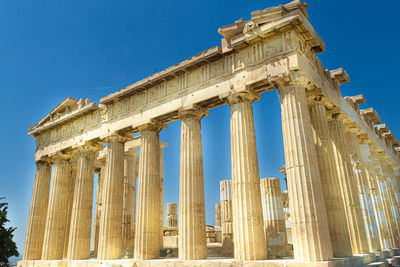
x=87, y=49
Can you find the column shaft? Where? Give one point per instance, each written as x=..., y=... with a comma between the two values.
x=81, y=218
x=337, y=223
x=367, y=210
x=310, y=230
x=274, y=217
x=172, y=215
x=348, y=187
x=68, y=207
x=162, y=195
x=217, y=214
x=225, y=187
x=97, y=213
x=57, y=214
x=110, y=236
x=385, y=194
x=128, y=229
x=377, y=203
x=38, y=212
x=248, y=225
x=147, y=231
x=192, y=217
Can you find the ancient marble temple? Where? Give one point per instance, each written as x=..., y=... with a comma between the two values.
x=342, y=164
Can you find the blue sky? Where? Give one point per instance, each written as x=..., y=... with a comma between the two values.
x=87, y=49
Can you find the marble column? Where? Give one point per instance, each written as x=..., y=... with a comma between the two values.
x=128, y=227
x=147, y=230
x=395, y=212
x=172, y=215
x=192, y=217
x=367, y=210
x=81, y=217
x=396, y=186
x=38, y=212
x=225, y=187
x=274, y=217
x=57, y=213
x=110, y=235
x=97, y=212
x=396, y=169
x=217, y=214
x=337, y=223
x=383, y=198
x=248, y=225
x=377, y=203
x=358, y=237
x=311, y=240
x=162, y=145
x=393, y=188
x=68, y=207
x=385, y=194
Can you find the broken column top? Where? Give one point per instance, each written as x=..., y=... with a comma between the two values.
x=225, y=190
x=172, y=208
x=271, y=182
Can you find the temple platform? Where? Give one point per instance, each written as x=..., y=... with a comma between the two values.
x=386, y=258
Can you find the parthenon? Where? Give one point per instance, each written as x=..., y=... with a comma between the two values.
x=342, y=164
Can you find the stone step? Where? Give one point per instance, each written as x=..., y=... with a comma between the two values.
x=382, y=263
x=394, y=261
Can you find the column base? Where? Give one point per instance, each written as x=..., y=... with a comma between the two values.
x=370, y=259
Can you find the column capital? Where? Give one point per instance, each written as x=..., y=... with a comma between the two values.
x=131, y=154
x=63, y=155
x=336, y=116
x=194, y=111
x=92, y=147
x=242, y=96
x=44, y=161
x=317, y=98
x=153, y=125
x=117, y=138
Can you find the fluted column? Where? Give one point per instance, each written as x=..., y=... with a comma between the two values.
x=377, y=203
x=274, y=217
x=147, y=230
x=97, y=212
x=337, y=223
x=110, y=236
x=57, y=214
x=348, y=187
x=383, y=177
x=248, y=225
x=81, y=217
x=395, y=211
x=172, y=215
x=367, y=211
x=396, y=186
x=393, y=190
x=192, y=217
x=383, y=197
x=311, y=240
x=217, y=214
x=162, y=194
x=68, y=207
x=128, y=228
x=37, y=212
x=225, y=194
